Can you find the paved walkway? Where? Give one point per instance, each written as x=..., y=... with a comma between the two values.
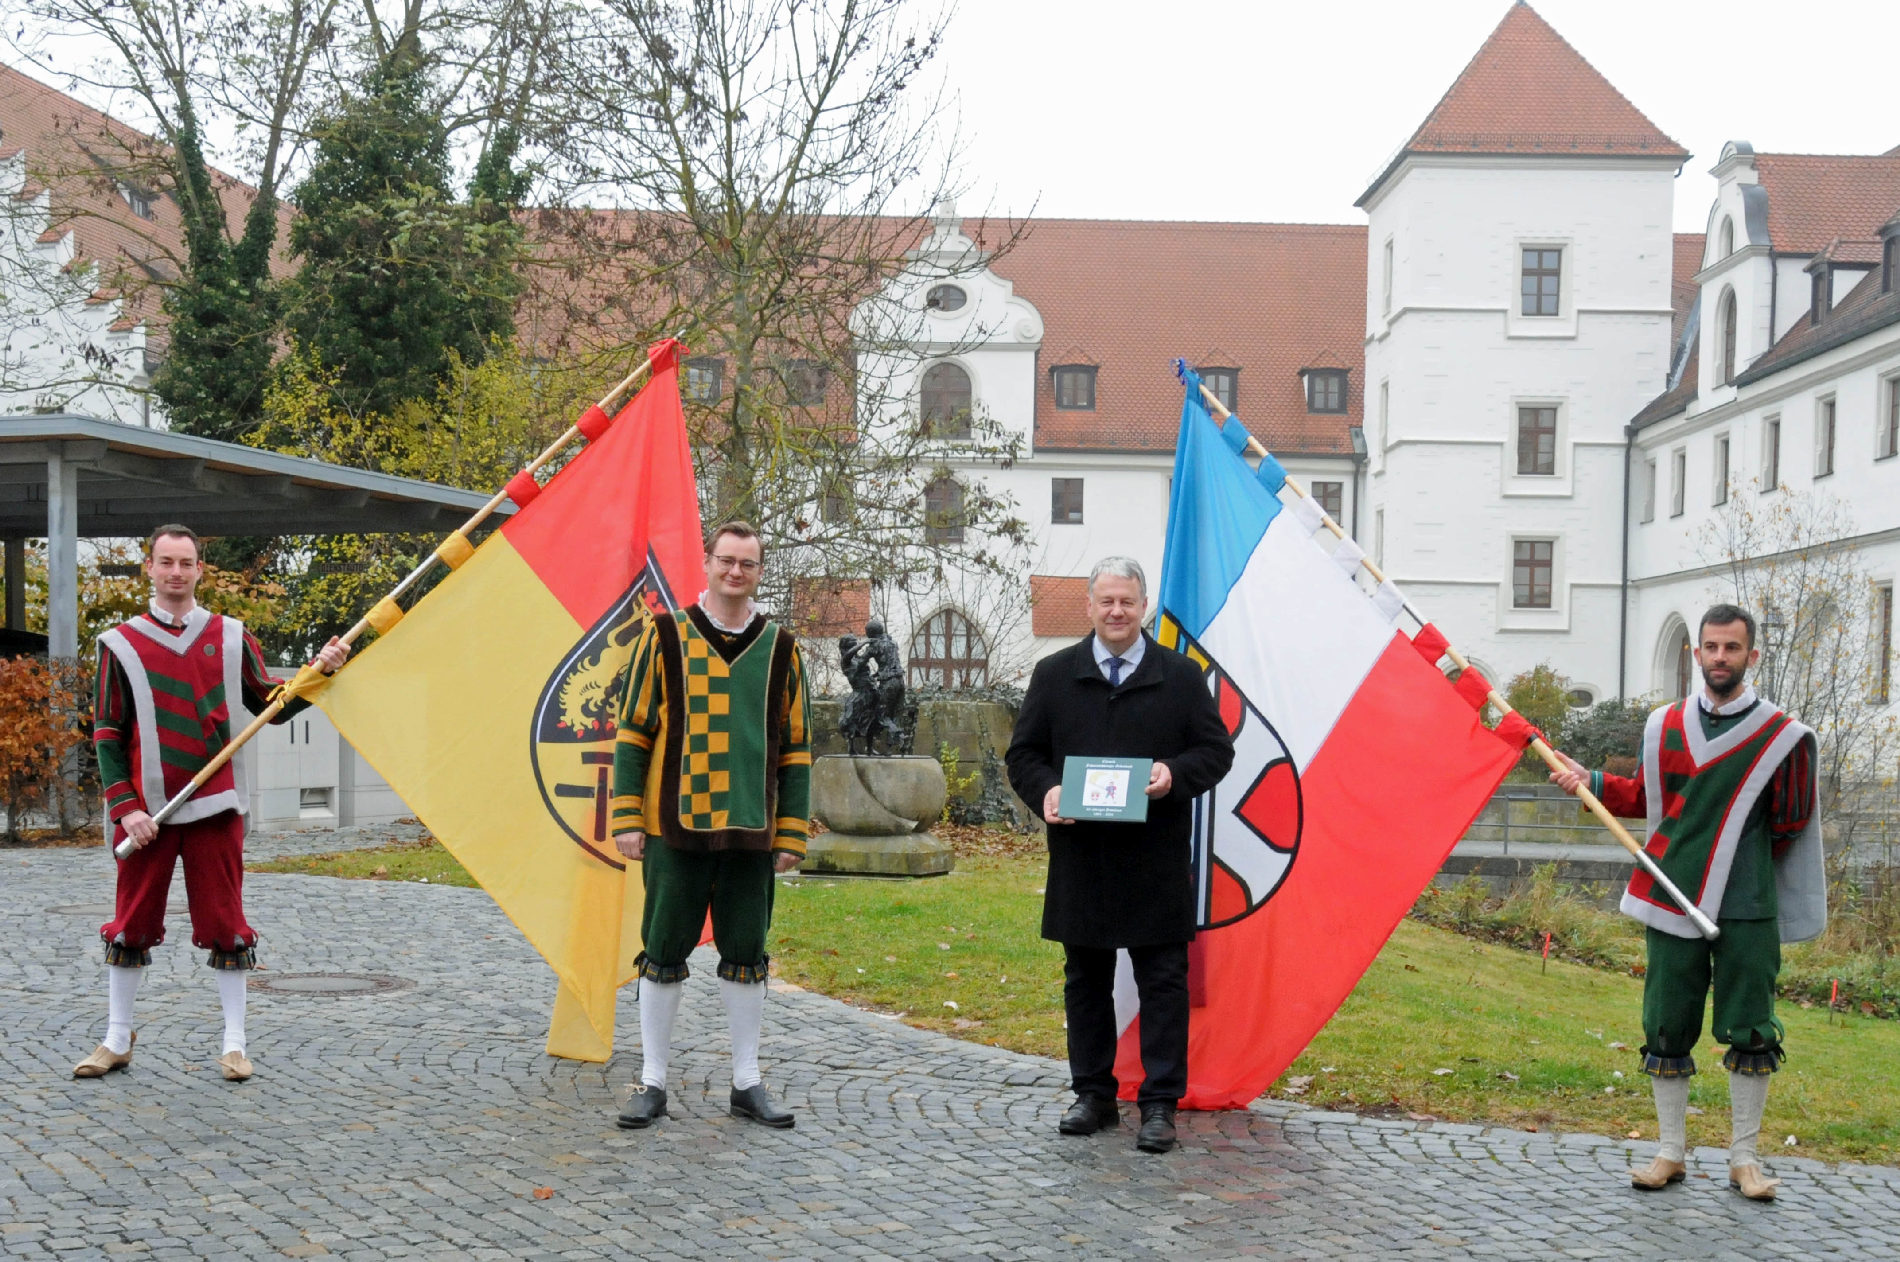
x=421, y=1121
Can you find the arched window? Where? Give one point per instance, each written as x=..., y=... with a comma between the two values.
x=947, y=650
x=1726, y=241
x=945, y=401
x=943, y=511
x=1685, y=663
x=1725, y=329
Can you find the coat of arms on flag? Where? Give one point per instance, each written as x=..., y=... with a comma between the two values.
x=1357, y=764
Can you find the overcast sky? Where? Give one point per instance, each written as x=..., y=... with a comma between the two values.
x=1268, y=111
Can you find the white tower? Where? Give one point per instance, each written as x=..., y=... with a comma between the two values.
x=1517, y=315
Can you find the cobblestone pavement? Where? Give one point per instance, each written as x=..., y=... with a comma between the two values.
x=422, y=1120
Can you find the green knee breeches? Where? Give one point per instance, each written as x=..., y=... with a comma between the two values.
x=1740, y=967
x=682, y=886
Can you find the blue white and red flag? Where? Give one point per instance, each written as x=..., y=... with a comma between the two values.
x=1357, y=767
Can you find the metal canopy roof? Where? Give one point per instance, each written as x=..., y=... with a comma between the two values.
x=131, y=479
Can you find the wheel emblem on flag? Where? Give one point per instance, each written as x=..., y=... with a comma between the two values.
x=1247, y=829
x=572, y=740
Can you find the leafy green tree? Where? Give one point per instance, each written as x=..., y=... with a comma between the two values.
x=398, y=279
x=1542, y=695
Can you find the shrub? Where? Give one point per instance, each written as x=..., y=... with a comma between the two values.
x=39, y=728
x=1541, y=695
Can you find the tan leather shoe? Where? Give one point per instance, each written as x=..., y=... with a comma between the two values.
x=236, y=1066
x=104, y=1060
x=1657, y=1175
x=1752, y=1183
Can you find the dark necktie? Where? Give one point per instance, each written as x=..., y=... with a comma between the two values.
x=1115, y=665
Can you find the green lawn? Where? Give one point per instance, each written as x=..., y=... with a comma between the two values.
x=960, y=953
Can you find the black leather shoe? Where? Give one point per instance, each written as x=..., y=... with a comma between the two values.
x=756, y=1104
x=1090, y=1113
x=647, y=1106
x=1157, y=1128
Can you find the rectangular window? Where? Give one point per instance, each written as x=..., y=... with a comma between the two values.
x=1824, y=438
x=1649, y=490
x=1385, y=289
x=1542, y=281
x=1330, y=496
x=1770, y=454
x=1530, y=573
x=1225, y=383
x=1678, y=480
x=1065, y=501
x=1537, y=441
x=1075, y=387
x=704, y=379
x=1883, y=644
x=1889, y=443
x=943, y=511
x=1378, y=538
x=1385, y=414
x=1325, y=389
x=1721, y=468
x=805, y=381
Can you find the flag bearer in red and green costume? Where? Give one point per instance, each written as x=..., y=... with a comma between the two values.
x=170, y=681
x=1727, y=784
x=712, y=792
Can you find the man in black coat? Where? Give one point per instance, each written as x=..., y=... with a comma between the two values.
x=1114, y=885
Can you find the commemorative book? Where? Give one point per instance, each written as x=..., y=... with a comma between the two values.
x=1105, y=788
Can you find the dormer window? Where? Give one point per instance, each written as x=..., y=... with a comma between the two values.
x=1074, y=387
x=1889, y=262
x=945, y=298
x=1225, y=383
x=1818, y=295
x=142, y=201
x=1325, y=389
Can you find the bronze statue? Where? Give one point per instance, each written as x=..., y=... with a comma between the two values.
x=876, y=675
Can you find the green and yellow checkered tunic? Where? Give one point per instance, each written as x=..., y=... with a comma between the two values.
x=729, y=717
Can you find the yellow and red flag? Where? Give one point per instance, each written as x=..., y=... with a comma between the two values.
x=490, y=707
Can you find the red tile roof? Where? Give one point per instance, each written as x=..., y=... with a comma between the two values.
x=1814, y=198
x=83, y=156
x=1269, y=299
x=1864, y=309
x=1840, y=250
x=1527, y=91
x=1058, y=606
x=1683, y=291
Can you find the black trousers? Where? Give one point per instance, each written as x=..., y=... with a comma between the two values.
x=1088, y=998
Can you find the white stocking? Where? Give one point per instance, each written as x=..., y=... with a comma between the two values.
x=659, y=1005
x=1747, y=1099
x=745, y=1013
x=121, y=985
x=231, y=986
x=1672, y=1116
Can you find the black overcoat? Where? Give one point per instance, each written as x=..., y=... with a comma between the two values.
x=1119, y=884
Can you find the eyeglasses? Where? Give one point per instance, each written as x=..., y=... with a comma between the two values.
x=745, y=565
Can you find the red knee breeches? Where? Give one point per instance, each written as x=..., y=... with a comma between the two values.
x=213, y=854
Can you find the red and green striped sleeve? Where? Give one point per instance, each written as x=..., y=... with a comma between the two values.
x=638, y=727
x=112, y=717
x=791, y=829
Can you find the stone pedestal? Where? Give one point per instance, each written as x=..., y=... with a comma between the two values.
x=879, y=811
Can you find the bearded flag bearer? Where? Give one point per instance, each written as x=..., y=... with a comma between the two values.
x=1727, y=784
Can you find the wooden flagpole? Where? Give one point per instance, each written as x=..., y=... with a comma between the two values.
x=308, y=676
x=1703, y=924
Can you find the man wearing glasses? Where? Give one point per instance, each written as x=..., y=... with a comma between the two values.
x=712, y=793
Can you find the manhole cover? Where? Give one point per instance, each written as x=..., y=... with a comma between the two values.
x=106, y=911
x=328, y=983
